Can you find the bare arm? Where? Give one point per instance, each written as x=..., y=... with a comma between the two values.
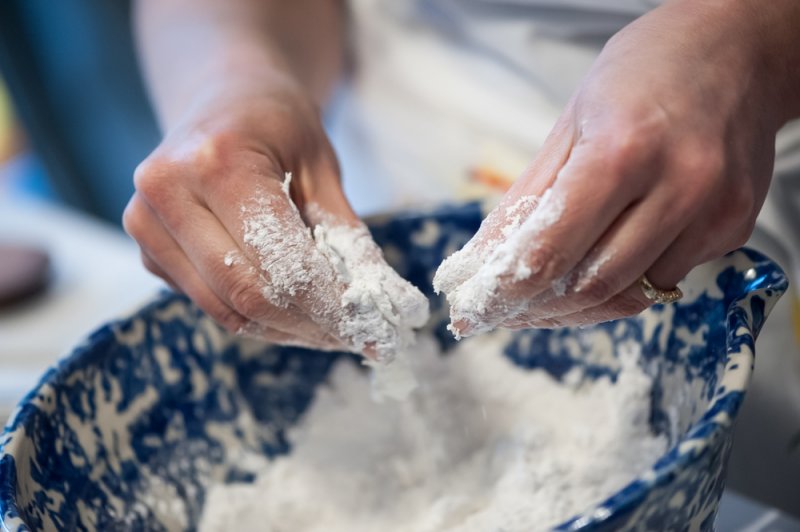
x=189, y=47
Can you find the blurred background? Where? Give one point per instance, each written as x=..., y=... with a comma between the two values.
x=70, y=69
x=75, y=122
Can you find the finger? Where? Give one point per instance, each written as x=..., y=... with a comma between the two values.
x=633, y=243
x=696, y=219
x=233, y=307
x=337, y=276
x=294, y=270
x=280, y=246
x=553, y=240
x=638, y=242
x=266, y=333
x=516, y=206
x=166, y=256
x=629, y=302
x=153, y=267
x=322, y=198
x=669, y=269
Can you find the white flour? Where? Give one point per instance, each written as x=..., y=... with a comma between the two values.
x=337, y=276
x=472, y=275
x=479, y=446
x=381, y=309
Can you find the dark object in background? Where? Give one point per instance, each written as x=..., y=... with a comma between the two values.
x=24, y=273
x=72, y=74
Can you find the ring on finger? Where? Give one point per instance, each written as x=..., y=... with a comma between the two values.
x=659, y=295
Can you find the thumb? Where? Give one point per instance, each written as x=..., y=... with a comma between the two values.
x=317, y=191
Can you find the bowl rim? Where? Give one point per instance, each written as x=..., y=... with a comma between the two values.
x=739, y=325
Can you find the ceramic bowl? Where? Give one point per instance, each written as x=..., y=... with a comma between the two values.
x=130, y=429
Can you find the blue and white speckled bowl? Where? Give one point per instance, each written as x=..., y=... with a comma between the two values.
x=128, y=431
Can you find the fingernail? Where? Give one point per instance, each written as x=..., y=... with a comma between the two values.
x=370, y=352
x=459, y=328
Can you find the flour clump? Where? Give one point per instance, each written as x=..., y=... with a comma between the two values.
x=338, y=275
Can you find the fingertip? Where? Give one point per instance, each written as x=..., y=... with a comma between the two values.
x=456, y=269
x=462, y=328
x=370, y=351
x=456, y=330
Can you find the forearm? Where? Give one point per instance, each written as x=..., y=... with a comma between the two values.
x=768, y=35
x=778, y=22
x=191, y=48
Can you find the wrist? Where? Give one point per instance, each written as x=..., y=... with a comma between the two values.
x=777, y=23
x=766, y=36
x=229, y=83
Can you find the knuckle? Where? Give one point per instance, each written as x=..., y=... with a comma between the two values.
x=215, y=151
x=133, y=220
x=625, y=149
x=231, y=322
x=151, y=179
x=228, y=318
x=700, y=163
x=626, y=305
x=246, y=299
x=634, y=139
x=549, y=262
x=138, y=223
x=202, y=158
x=595, y=291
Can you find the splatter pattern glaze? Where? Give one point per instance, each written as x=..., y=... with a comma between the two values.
x=130, y=429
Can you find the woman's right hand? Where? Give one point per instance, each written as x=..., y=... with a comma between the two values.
x=213, y=219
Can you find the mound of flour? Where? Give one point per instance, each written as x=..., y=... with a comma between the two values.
x=479, y=446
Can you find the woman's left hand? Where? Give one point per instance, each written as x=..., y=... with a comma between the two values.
x=661, y=161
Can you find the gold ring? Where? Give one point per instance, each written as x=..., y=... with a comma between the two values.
x=657, y=295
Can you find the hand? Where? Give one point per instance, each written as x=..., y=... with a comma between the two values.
x=661, y=161
x=217, y=219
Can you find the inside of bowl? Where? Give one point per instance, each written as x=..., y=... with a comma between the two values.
x=135, y=426
x=168, y=403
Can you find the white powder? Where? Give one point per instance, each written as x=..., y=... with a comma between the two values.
x=381, y=309
x=472, y=275
x=481, y=445
x=579, y=278
x=560, y=285
x=498, y=225
x=518, y=211
x=287, y=255
x=586, y=274
x=231, y=258
x=337, y=275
